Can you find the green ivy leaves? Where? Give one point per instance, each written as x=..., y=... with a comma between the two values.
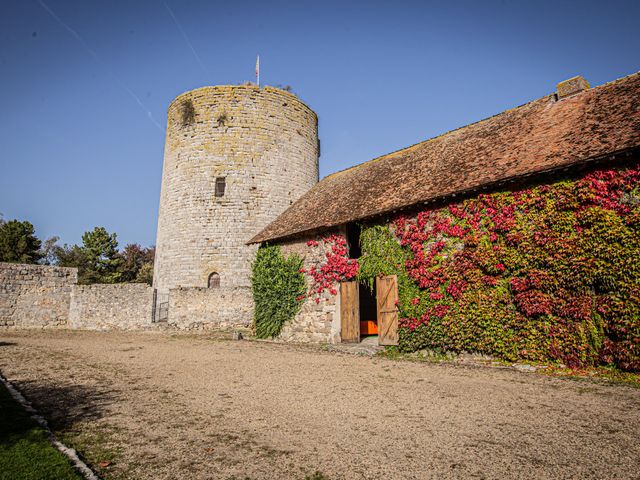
x=277, y=284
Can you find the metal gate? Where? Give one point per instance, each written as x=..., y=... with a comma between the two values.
x=160, y=307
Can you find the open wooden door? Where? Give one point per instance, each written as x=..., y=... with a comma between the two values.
x=387, y=300
x=350, y=312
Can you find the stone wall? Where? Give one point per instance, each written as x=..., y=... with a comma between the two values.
x=124, y=306
x=46, y=296
x=210, y=308
x=35, y=295
x=264, y=142
x=316, y=322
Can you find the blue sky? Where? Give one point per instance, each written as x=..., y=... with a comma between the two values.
x=84, y=104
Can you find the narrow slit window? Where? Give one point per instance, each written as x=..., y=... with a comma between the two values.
x=220, y=186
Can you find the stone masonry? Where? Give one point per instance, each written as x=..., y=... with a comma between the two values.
x=124, y=306
x=35, y=295
x=221, y=308
x=316, y=322
x=39, y=296
x=264, y=143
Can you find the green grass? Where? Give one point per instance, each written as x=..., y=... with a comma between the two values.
x=97, y=450
x=316, y=476
x=609, y=374
x=25, y=452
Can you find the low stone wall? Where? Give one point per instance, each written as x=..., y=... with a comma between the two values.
x=316, y=322
x=124, y=306
x=45, y=296
x=35, y=296
x=210, y=308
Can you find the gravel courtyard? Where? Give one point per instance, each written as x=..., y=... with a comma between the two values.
x=156, y=406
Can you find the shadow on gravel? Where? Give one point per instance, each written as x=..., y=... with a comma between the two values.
x=7, y=344
x=65, y=405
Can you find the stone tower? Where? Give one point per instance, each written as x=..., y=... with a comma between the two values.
x=235, y=158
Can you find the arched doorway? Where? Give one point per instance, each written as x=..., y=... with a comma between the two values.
x=214, y=280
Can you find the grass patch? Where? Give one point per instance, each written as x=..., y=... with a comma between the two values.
x=316, y=476
x=25, y=451
x=98, y=450
x=393, y=353
x=610, y=374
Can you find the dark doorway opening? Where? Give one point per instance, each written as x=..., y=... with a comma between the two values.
x=369, y=315
x=368, y=311
x=353, y=239
x=214, y=280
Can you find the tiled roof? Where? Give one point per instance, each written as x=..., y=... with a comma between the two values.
x=542, y=135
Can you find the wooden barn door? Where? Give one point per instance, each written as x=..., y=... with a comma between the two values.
x=350, y=311
x=387, y=300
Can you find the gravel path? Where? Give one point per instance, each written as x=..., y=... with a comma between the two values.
x=161, y=407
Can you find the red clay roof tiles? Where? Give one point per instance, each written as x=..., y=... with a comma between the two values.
x=542, y=135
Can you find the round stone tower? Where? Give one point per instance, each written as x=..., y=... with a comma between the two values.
x=235, y=158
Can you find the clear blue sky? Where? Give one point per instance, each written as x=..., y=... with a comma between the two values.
x=79, y=145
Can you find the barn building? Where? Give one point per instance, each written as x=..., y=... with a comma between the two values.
x=566, y=134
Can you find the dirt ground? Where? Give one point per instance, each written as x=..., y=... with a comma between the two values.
x=156, y=406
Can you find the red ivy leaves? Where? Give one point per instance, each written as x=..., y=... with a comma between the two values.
x=530, y=238
x=337, y=266
x=533, y=303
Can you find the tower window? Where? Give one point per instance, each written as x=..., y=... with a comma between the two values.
x=214, y=280
x=220, y=185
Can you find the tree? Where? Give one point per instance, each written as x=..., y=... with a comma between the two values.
x=18, y=244
x=48, y=251
x=76, y=256
x=101, y=249
x=145, y=274
x=97, y=260
x=137, y=264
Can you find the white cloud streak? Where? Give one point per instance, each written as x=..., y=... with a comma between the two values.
x=99, y=61
x=186, y=39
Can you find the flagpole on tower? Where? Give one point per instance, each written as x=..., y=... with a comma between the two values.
x=258, y=70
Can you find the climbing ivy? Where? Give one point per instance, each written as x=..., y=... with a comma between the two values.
x=336, y=267
x=383, y=255
x=277, y=284
x=548, y=273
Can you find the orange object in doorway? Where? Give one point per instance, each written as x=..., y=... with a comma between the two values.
x=368, y=327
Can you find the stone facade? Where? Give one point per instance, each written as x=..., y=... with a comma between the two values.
x=316, y=322
x=124, y=306
x=264, y=143
x=210, y=308
x=35, y=296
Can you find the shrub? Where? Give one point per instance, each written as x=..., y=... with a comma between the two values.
x=277, y=284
